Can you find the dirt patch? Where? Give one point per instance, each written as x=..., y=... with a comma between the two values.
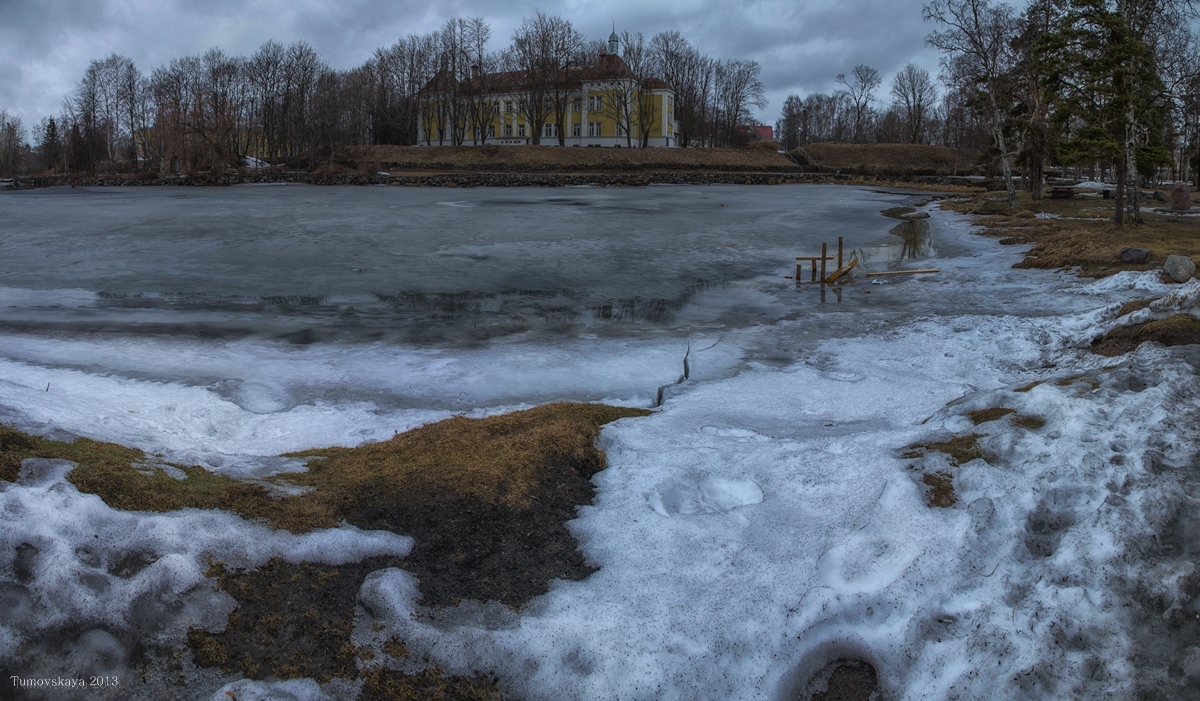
x=292, y=620
x=845, y=680
x=986, y=415
x=430, y=685
x=295, y=620
x=1177, y=330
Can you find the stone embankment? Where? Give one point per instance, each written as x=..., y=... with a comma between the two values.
x=486, y=179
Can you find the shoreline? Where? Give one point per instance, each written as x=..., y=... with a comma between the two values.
x=510, y=179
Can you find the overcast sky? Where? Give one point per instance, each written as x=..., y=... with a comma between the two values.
x=46, y=45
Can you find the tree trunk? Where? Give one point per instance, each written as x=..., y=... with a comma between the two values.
x=1119, y=214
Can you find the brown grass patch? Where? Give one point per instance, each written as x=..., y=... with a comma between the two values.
x=388, y=685
x=1028, y=387
x=486, y=500
x=940, y=490
x=1084, y=237
x=986, y=415
x=1133, y=306
x=1031, y=423
x=494, y=158
x=295, y=620
x=959, y=450
x=1177, y=330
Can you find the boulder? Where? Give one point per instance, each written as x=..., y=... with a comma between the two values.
x=1181, y=199
x=1179, y=268
x=1135, y=255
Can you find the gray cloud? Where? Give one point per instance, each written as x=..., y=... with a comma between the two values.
x=46, y=45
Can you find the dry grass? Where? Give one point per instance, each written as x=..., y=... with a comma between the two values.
x=497, y=460
x=940, y=490
x=556, y=159
x=1084, y=237
x=1177, y=330
x=959, y=450
x=1133, y=306
x=889, y=159
x=1031, y=423
x=986, y=415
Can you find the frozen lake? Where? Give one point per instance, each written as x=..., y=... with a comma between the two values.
x=308, y=264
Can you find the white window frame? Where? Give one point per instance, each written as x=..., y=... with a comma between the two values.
x=595, y=129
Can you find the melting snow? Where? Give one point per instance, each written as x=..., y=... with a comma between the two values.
x=762, y=523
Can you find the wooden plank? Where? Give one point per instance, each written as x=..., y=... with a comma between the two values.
x=840, y=272
x=905, y=272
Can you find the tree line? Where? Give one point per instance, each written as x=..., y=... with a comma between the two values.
x=1112, y=86
x=284, y=104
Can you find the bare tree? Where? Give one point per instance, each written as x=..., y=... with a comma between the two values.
x=546, y=51
x=690, y=74
x=915, y=97
x=738, y=88
x=12, y=140
x=860, y=91
x=976, y=40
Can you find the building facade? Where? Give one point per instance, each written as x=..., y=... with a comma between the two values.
x=602, y=105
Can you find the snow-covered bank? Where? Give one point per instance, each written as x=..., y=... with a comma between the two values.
x=762, y=523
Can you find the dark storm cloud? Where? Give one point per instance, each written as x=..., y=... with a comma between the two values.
x=46, y=45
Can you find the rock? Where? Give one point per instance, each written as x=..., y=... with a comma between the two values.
x=1159, y=196
x=918, y=215
x=1181, y=200
x=1179, y=268
x=1135, y=255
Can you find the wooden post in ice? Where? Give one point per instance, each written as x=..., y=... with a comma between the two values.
x=824, y=256
x=839, y=253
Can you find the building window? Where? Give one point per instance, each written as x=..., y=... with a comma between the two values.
x=508, y=107
x=495, y=108
x=550, y=130
x=578, y=104
x=478, y=133
x=520, y=130
x=492, y=131
x=595, y=129
x=508, y=130
x=595, y=103
x=576, y=130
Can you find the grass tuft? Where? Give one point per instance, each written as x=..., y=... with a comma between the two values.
x=1177, y=330
x=986, y=415
x=940, y=490
x=959, y=450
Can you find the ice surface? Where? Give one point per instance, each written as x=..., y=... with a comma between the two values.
x=762, y=523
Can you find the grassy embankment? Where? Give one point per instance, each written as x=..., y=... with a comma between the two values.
x=485, y=500
x=507, y=159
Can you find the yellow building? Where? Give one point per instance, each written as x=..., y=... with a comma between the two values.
x=600, y=105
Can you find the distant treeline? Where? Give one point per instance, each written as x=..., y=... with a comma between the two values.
x=1112, y=85
x=284, y=104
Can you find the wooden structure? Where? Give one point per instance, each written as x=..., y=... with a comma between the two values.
x=1062, y=193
